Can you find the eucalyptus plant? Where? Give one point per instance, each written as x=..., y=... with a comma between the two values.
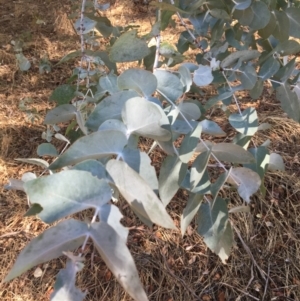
x=239, y=45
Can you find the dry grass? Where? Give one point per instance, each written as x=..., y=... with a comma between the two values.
x=264, y=264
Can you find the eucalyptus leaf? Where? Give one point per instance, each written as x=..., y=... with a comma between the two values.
x=168, y=84
x=138, y=193
x=63, y=94
x=141, y=163
x=198, y=169
x=109, y=83
x=203, y=76
x=109, y=108
x=117, y=257
x=245, y=123
x=62, y=113
x=276, y=162
x=293, y=13
x=85, y=25
x=65, y=236
x=64, y=287
x=35, y=161
x=172, y=173
x=88, y=147
x=289, y=100
x=47, y=149
x=190, y=211
x=142, y=81
x=211, y=128
x=23, y=62
x=189, y=144
x=248, y=182
x=146, y=119
x=74, y=191
x=128, y=48
x=232, y=153
x=214, y=226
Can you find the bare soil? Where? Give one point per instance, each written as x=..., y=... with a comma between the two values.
x=264, y=264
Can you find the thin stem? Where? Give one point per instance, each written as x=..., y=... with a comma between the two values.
x=234, y=97
x=158, y=39
x=205, y=145
x=186, y=27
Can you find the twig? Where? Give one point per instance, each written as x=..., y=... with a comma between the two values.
x=241, y=291
x=158, y=39
x=179, y=279
x=186, y=27
x=262, y=273
x=267, y=282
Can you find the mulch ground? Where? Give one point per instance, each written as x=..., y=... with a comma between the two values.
x=264, y=264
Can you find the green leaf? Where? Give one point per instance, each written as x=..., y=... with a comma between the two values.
x=111, y=215
x=189, y=144
x=66, y=193
x=203, y=76
x=65, y=236
x=269, y=28
x=269, y=68
x=257, y=90
x=142, y=81
x=109, y=108
x=242, y=140
x=248, y=182
x=64, y=287
x=118, y=259
x=128, y=48
x=293, y=14
x=276, y=162
x=47, y=149
x=138, y=194
x=190, y=110
x=109, y=83
x=247, y=76
x=245, y=123
x=166, y=17
x=184, y=42
x=89, y=147
x=218, y=185
x=216, y=100
x=241, y=4
x=198, y=169
x=214, y=226
x=262, y=158
x=96, y=168
x=245, y=17
x=63, y=94
x=62, y=113
x=169, y=85
x=141, y=163
x=185, y=78
x=242, y=56
x=281, y=31
x=290, y=102
x=172, y=173
x=287, y=48
x=36, y=161
x=232, y=153
x=219, y=13
x=261, y=15
x=190, y=210
x=23, y=62
x=146, y=119
x=87, y=25
x=211, y=128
